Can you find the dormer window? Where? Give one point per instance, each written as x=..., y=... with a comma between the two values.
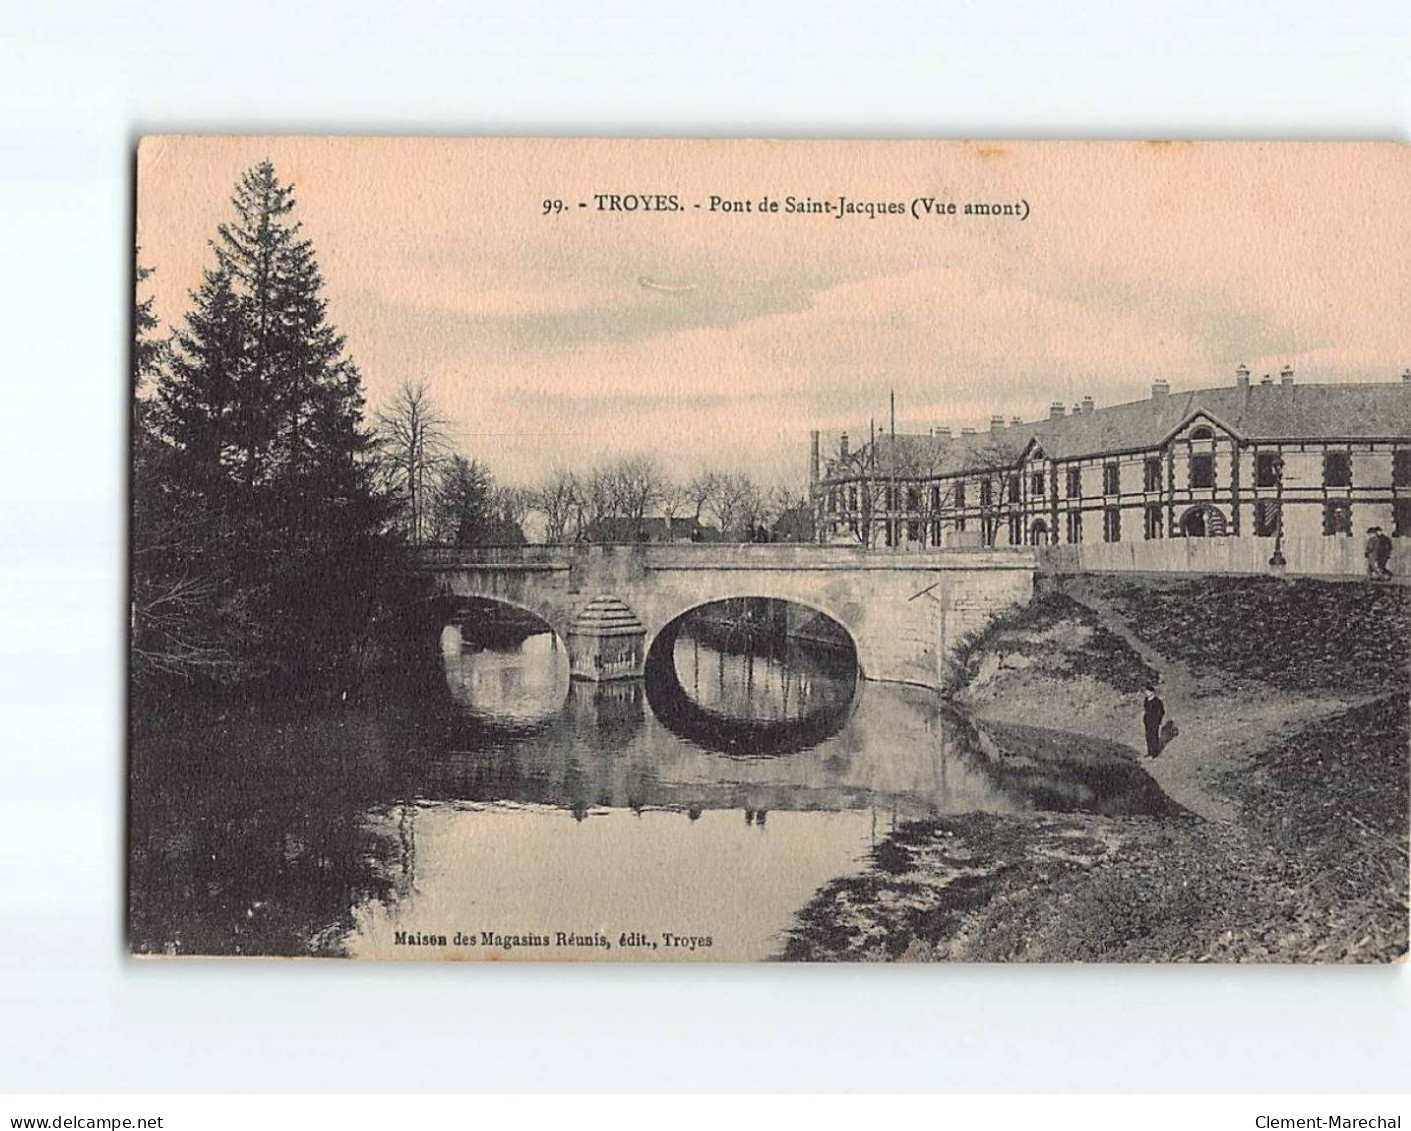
x=1202, y=433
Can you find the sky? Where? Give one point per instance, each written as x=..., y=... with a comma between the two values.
x=715, y=339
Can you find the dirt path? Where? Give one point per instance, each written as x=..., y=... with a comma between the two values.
x=1221, y=722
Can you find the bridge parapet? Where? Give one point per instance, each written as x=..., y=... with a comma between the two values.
x=723, y=555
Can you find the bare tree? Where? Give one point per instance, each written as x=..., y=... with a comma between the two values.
x=638, y=484
x=792, y=513
x=999, y=467
x=413, y=441
x=673, y=503
x=557, y=499
x=593, y=504
x=736, y=502
x=698, y=492
x=753, y=504
x=861, y=491
x=916, y=484
x=511, y=504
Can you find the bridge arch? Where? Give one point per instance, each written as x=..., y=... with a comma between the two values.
x=454, y=607
x=668, y=614
x=453, y=589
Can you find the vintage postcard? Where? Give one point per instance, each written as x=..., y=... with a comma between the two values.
x=770, y=550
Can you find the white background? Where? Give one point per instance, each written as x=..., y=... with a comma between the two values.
x=80, y=82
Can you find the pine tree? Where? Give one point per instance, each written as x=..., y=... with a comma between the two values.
x=147, y=351
x=464, y=504
x=196, y=401
x=264, y=416
x=181, y=626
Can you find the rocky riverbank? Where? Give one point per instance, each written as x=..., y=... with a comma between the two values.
x=1289, y=767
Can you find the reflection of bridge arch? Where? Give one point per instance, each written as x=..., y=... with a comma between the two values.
x=687, y=718
x=484, y=668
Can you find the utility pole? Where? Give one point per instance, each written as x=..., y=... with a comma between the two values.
x=871, y=479
x=893, y=523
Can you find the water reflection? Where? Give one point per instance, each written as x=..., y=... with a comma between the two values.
x=748, y=702
x=712, y=798
x=518, y=685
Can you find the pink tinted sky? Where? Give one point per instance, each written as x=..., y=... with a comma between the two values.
x=708, y=339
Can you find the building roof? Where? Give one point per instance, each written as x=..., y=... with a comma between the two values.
x=928, y=455
x=1261, y=412
x=614, y=528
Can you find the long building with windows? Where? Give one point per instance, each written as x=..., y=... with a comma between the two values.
x=1271, y=460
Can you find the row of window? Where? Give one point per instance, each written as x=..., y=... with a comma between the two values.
x=1197, y=522
x=1337, y=519
x=1268, y=470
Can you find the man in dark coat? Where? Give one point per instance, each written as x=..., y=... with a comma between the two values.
x=1153, y=712
x=1373, y=552
x=1383, y=553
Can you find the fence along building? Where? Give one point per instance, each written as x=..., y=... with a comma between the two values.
x=1252, y=462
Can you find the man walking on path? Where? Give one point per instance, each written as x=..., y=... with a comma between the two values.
x=1373, y=552
x=1383, y=553
x=1153, y=711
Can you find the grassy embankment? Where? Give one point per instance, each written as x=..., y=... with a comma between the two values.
x=1290, y=761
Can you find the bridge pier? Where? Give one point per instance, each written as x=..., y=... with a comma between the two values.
x=606, y=642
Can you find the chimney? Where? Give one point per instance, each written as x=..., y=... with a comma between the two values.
x=842, y=447
x=1266, y=381
x=1015, y=421
x=813, y=457
x=1286, y=377
x=1242, y=378
x=943, y=432
x=1087, y=405
x=1406, y=377
x=1055, y=410
x=967, y=431
x=996, y=425
x=1077, y=408
x=1160, y=388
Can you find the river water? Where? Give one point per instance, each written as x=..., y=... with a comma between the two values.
x=690, y=814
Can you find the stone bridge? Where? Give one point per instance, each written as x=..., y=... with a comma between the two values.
x=905, y=612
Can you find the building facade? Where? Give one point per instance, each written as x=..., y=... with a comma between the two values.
x=1271, y=459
